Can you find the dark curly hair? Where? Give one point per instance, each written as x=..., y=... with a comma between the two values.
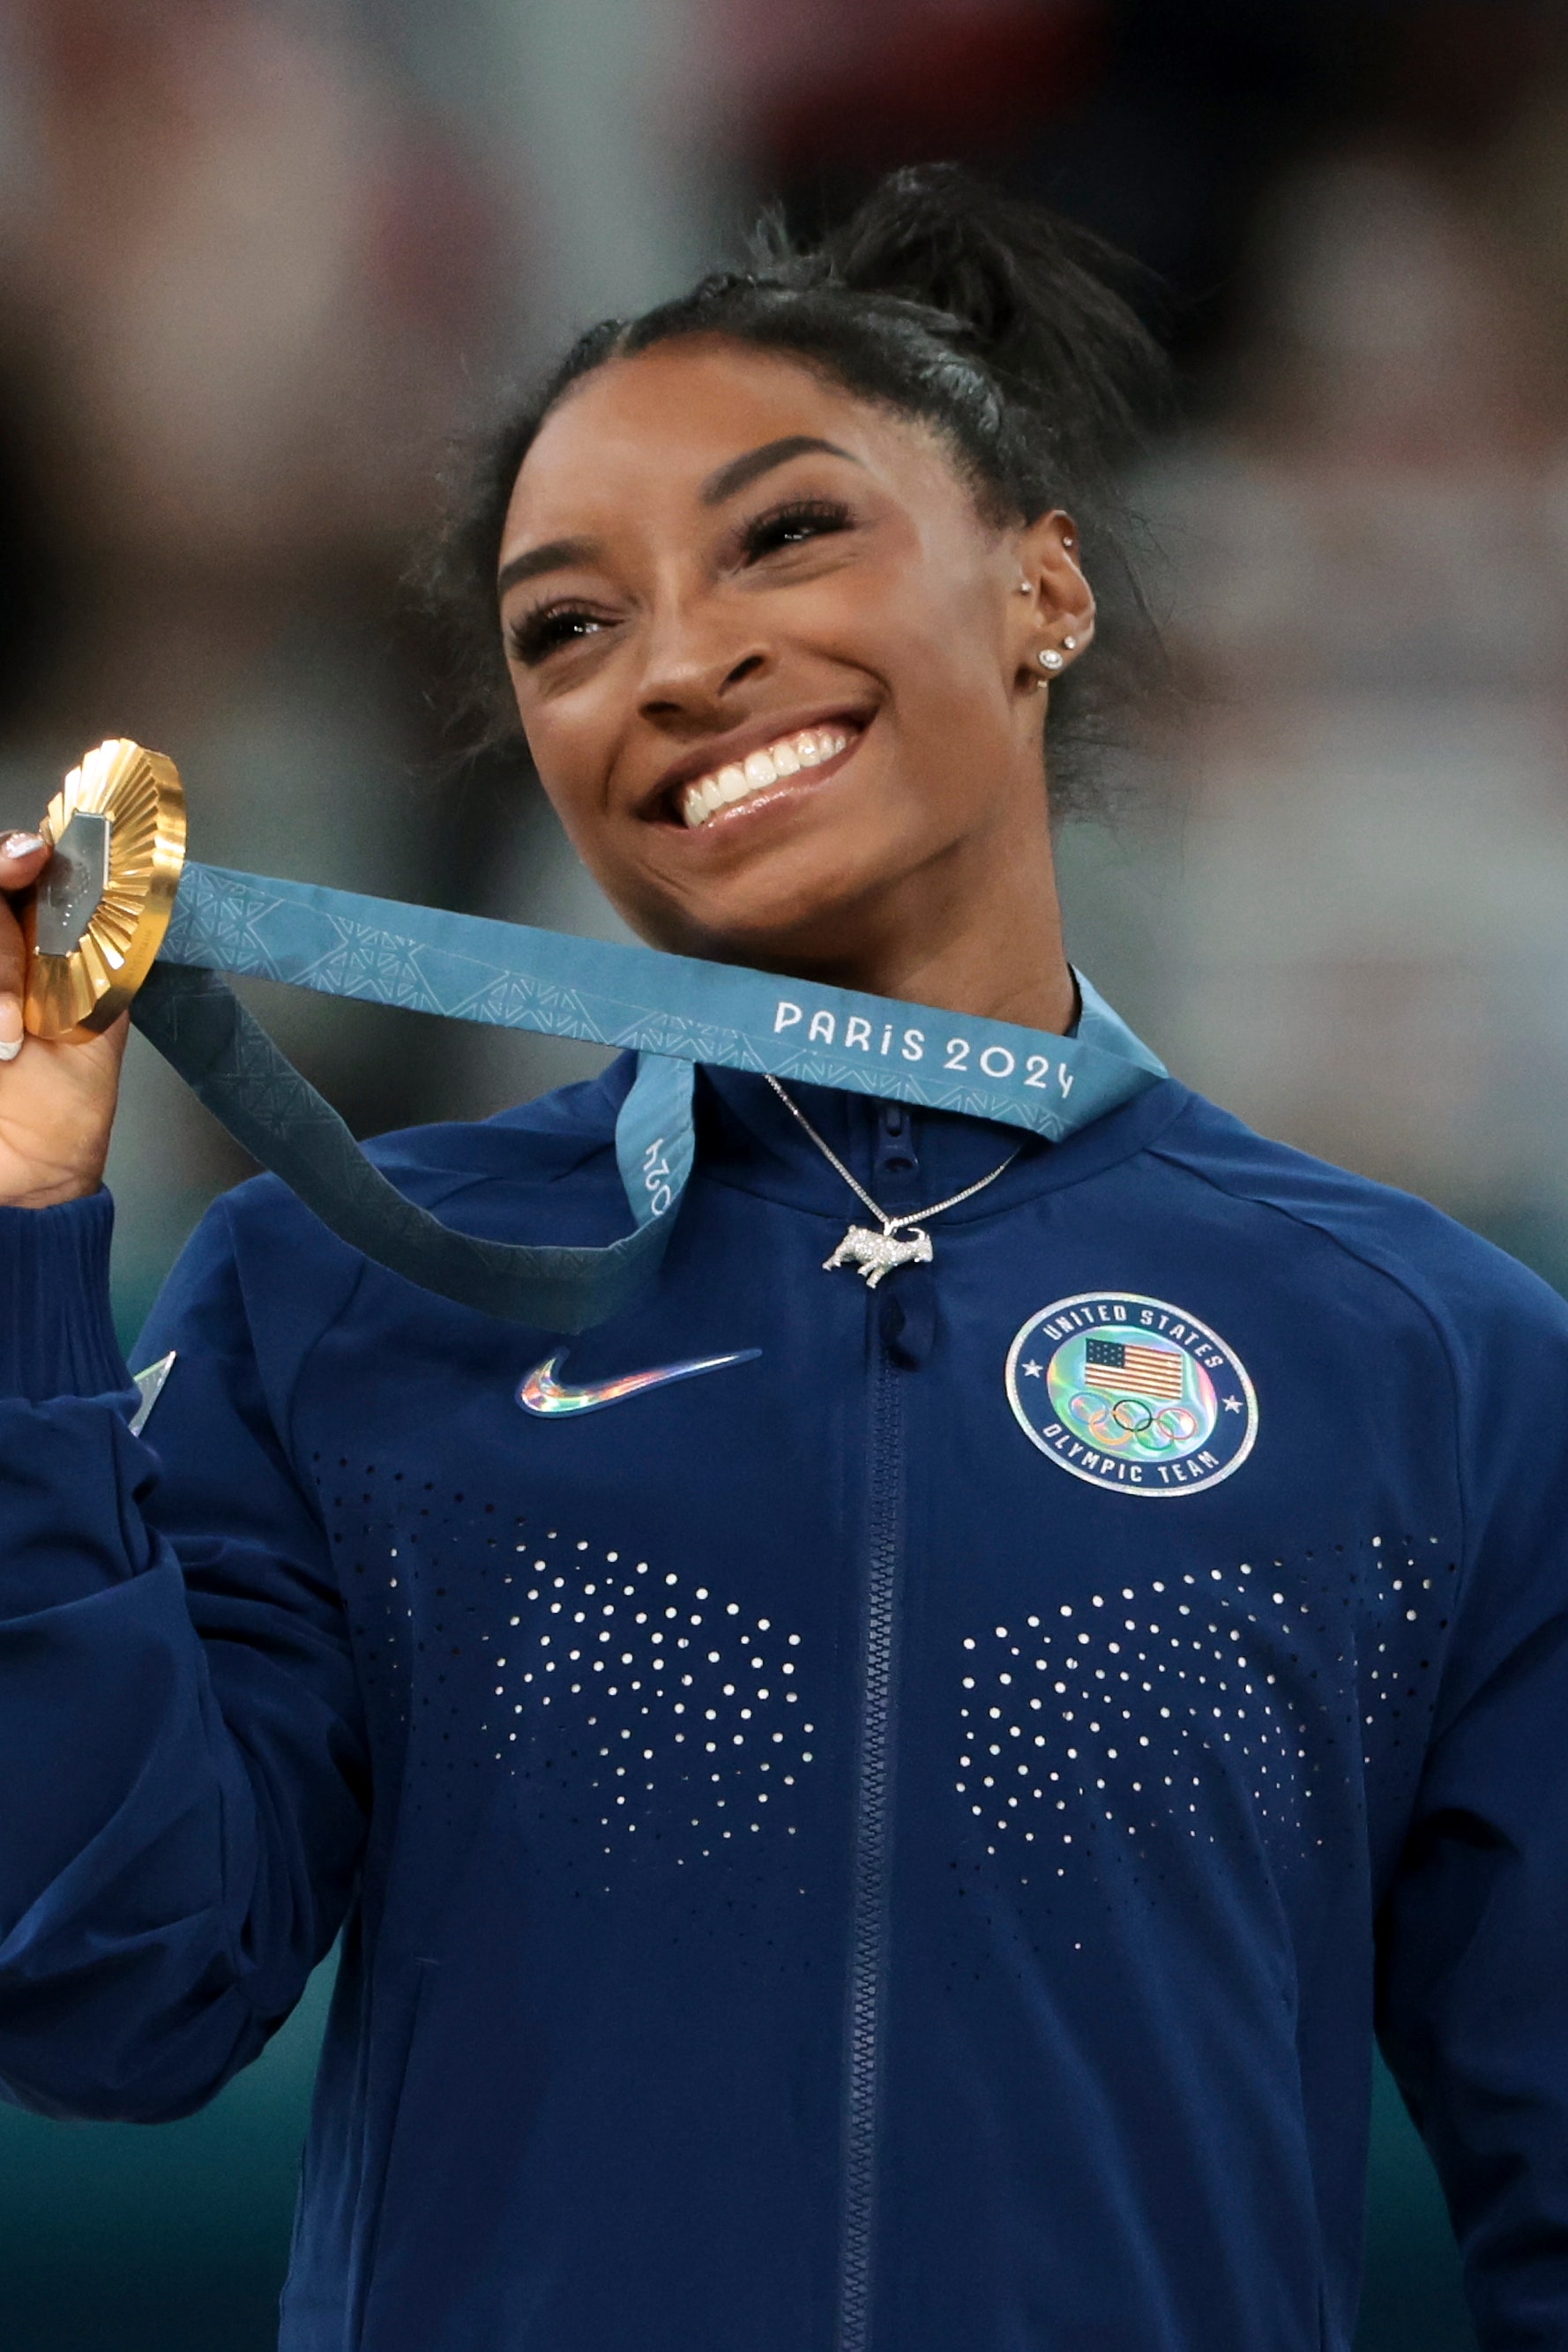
x=993, y=322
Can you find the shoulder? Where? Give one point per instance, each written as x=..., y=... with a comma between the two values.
x=533, y=1146
x=539, y=1143
x=546, y=1169
x=1305, y=1216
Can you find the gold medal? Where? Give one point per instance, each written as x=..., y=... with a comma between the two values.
x=97, y=919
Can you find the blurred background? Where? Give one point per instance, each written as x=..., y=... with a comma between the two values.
x=261, y=259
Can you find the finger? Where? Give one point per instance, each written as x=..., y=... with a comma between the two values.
x=22, y=858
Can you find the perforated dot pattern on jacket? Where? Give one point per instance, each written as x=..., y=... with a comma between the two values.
x=637, y=1707
x=1143, y=1713
x=680, y=1717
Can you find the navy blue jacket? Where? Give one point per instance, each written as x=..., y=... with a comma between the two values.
x=893, y=1843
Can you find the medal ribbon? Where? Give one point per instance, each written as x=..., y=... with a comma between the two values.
x=672, y=1011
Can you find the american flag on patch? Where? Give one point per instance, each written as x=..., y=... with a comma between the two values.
x=1127, y=1370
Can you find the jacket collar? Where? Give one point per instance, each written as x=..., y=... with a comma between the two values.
x=906, y=1157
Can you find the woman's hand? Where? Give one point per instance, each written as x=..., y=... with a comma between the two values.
x=56, y=1101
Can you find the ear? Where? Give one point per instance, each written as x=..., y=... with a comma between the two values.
x=1058, y=615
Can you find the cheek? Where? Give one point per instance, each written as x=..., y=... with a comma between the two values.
x=934, y=610
x=943, y=666
x=567, y=741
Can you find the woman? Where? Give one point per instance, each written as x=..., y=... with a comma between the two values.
x=883, y=1832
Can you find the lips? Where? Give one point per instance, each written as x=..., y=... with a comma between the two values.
x=738, y=780
x=714, y=779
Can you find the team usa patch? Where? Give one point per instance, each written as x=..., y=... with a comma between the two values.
x=1131, y=1392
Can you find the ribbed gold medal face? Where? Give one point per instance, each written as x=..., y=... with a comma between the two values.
x=98, y=918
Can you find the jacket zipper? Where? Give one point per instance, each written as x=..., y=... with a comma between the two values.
x=867, y=1944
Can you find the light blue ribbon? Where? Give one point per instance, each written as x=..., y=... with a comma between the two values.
x=673, y=1012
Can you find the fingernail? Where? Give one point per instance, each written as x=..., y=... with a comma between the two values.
x=20, y=844
x=10, y=1028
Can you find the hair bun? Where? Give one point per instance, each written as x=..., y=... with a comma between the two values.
x=1028, y=292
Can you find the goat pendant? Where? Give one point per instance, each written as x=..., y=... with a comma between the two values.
x=874, y=1254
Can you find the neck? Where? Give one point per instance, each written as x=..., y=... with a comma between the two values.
x=986, y=942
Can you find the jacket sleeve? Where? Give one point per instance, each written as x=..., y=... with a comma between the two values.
x=183, y=1782
x=1473, y=1936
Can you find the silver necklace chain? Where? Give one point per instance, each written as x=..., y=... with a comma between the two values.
x=874, y=1254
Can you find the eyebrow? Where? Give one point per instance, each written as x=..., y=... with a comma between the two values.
x=555, y=555
x=559, y=554
x=740, y=471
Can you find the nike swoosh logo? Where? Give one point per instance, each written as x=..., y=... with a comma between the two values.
x=542, y=1392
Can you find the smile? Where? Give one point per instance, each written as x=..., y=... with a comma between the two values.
x=706, y=797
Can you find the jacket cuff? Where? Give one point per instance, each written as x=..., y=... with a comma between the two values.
x=56, y=1330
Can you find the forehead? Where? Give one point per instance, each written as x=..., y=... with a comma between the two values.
x=645, y=433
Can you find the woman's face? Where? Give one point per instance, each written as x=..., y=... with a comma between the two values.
x=775, y=668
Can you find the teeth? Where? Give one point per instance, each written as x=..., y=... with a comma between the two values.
x=738, y=781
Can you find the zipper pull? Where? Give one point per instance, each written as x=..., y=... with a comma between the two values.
x=895, y=1155
x=906, y=1318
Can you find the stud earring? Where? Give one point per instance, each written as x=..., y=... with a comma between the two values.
x=1050, y=659
x=1071, y=645
x=1068, y=542
x=1025, y=587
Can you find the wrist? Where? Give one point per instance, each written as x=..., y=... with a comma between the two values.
x=56, y=1195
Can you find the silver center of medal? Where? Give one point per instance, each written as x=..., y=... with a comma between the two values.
x=902, y=1242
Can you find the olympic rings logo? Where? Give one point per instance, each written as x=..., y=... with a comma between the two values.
x=1123, y=1423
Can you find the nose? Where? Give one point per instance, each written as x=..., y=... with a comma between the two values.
x=695, y=661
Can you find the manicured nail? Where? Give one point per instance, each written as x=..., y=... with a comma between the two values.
x=20, y=844
x=10, y=1028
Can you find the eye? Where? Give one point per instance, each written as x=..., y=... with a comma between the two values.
x=794, y=525
x=534, y=637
